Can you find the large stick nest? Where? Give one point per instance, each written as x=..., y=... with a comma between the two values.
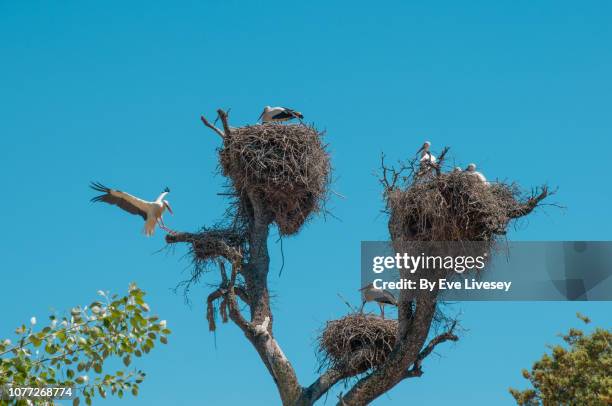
x=286, y=167
x=357, y=343
x=455, y=206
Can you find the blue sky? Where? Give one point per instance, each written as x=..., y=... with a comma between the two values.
x=112, y=91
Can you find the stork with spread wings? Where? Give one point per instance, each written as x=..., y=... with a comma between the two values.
x=151, y=212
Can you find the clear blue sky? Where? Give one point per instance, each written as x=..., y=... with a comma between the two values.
x=112, y=91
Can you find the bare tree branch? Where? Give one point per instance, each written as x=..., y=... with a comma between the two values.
x=223, y=116
x=321, y=386
x=530, y=204
x=438, y=165
x=416, y=370
x=390, y=176
x=212, y=126
x=242, y=294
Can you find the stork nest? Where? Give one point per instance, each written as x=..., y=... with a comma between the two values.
x=455, y=206
x=217, y=242
x=207, y=246
x=356, y=343
x=285, y=167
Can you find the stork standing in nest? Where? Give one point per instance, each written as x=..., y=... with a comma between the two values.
x=426, y=155
x=427, y=160
x=380, y=296
x=151, y=212
x=277, y=114
x=471, y=170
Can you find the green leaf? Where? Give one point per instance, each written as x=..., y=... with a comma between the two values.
x=35, y=341
x=51, y=348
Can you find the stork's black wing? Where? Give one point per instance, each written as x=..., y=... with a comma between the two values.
x=125, y=201
x=294, y=113
x=285, y=114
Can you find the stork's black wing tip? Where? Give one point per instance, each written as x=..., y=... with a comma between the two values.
x=167, y=189
x=97, y=186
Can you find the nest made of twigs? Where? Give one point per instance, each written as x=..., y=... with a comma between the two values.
x=357, y=343
x=285, y=167
x=454, y=206
x=217, y=242
x=207, y=247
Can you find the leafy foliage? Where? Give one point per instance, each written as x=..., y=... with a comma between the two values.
x=580, y=374
x=72, y=351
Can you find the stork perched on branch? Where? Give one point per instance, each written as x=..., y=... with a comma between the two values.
x=380, y=296
x=271, y=114
x=151, y=212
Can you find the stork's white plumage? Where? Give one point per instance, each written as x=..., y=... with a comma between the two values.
x=380, y=296
x=426, y=155
x=151, y=212
x=471, y=170
x=270, y=114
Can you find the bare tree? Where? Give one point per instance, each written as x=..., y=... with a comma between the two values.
x=247, y=283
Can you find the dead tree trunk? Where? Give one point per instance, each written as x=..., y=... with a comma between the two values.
x=255, y=273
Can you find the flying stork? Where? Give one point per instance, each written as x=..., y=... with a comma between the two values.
x=151, y=212
x=471, y=170
x=380, y=296
x=279, y=114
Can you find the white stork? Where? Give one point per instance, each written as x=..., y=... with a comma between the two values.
x=279, y=114
x=380, y=296
x=427, y=160
x=426, y=155
x=471, y=170
x=151, y=212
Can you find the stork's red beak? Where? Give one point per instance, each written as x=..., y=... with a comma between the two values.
x=169, y=208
